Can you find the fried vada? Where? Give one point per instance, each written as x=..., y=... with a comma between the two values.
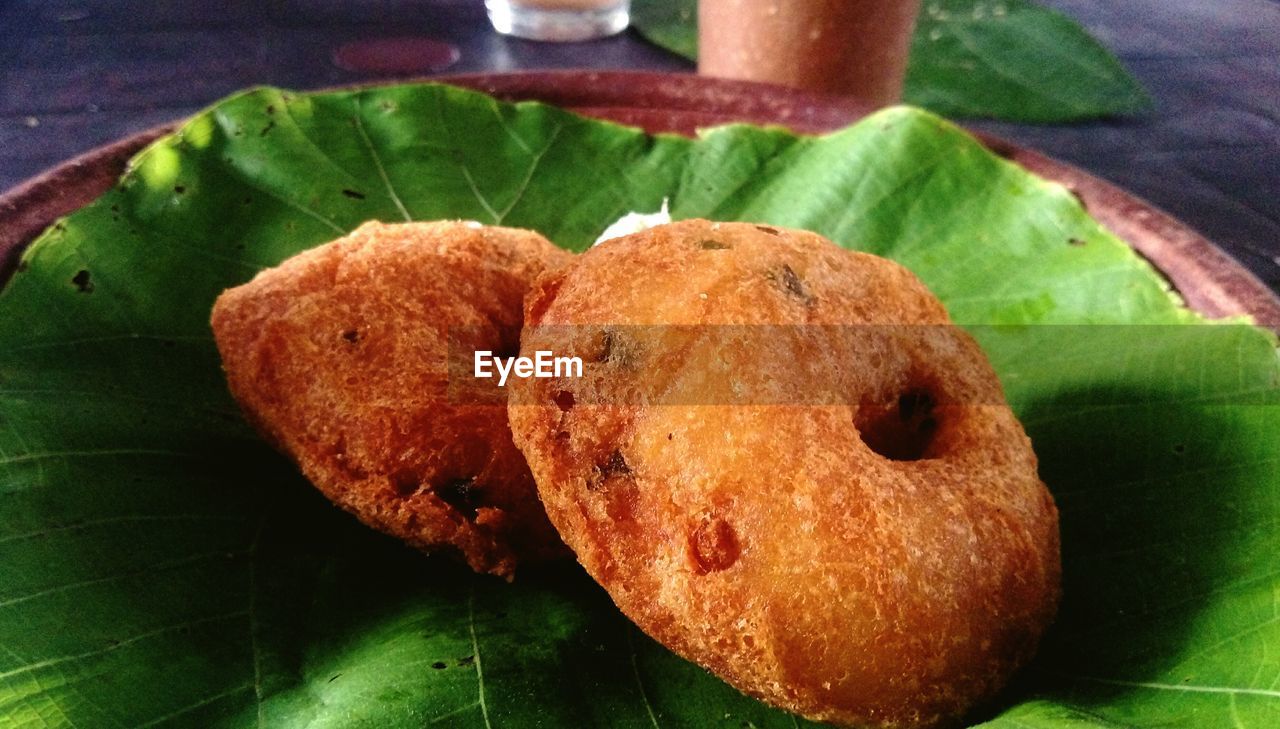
x=340, y=356
x=787, y=465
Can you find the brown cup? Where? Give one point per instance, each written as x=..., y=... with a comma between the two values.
x=854, y=47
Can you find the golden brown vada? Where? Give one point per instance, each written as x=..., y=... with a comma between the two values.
x=340, y=356
x=786, y=464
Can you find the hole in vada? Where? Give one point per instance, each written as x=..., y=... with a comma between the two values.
x=900, y=430
x=713, y=546
x=564, y=400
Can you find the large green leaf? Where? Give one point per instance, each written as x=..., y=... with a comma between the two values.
x=1006, y=59
x=160, y=565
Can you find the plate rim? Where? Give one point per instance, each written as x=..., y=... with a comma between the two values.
x=1208, y=279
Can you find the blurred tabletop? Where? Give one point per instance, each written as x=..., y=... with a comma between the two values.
x=75, y=74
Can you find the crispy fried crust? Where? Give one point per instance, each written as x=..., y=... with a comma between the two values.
x=338, y=356
x=858, y=536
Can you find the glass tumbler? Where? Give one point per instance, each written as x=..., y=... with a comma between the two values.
x=853, y=47
x=559, y=20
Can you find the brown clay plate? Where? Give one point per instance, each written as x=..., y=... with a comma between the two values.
x=1208, y=279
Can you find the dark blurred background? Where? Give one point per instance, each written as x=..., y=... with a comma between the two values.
x=77, y=74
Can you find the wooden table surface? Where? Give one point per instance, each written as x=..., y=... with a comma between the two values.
x=77, y=74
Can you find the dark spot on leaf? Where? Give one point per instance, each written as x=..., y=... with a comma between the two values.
x=899, y=431
x=1076, y=242
x=115, y=208
x=82, y=282
x=334, y=677
x=614, y=466
x=271, y=109
x=247, y=200
x=179, y=189
x=351, y=335
x=439, y=665
x=712, y=245
x=461, y=494
x=270, y=125
x=466, y=660
x=60, y=226
x=353, y=194
x=564, y=400
x=790, y=282
x=713, y=546
x=1179, y=449
x=767, y=229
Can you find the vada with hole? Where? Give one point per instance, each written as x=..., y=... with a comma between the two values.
x=341, y=357
x=785, y=463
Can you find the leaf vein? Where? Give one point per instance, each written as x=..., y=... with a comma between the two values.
x=1187, y=688
x=475, y=651
x=171, y=564
x=377, y=162
x=48, y=663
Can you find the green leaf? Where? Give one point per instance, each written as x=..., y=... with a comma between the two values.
x=1004, y=59
x=1010, y=59
x=159, y=565
x=671, y=24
